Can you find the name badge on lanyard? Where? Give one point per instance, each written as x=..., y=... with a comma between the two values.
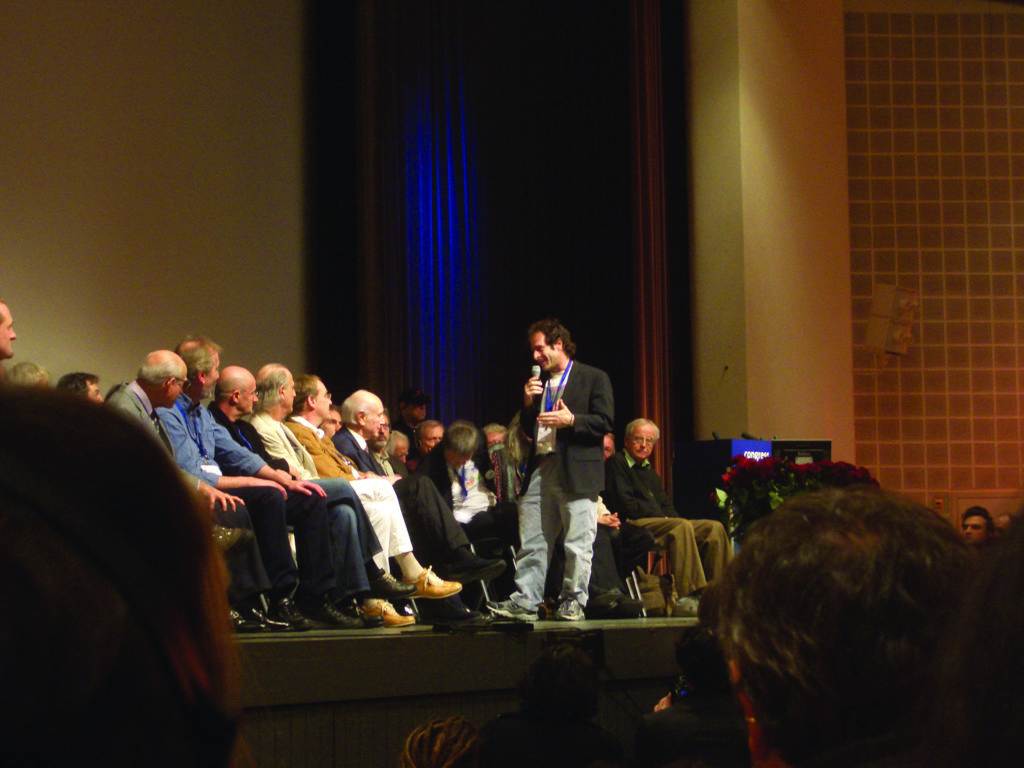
x=546, y=436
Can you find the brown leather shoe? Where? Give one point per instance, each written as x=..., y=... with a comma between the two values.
x=374, y=607
x=436, y=591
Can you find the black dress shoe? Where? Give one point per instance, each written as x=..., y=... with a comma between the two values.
x=284, y=610
x=324, y=612
x=245, y=621
x=352, y=610
x=273, y=625
x=387, y=587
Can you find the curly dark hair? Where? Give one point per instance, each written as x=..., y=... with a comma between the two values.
x=553, y=331
x=448, y=743
x=832, y=611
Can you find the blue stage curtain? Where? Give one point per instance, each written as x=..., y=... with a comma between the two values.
x=422, y=236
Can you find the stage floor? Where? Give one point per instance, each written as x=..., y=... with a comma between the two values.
x=343, y=698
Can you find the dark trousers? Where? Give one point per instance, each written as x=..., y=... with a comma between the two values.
x=433, y=529
x=604, y=573
x=500, y=522
x=271, y=515
x=244, y=561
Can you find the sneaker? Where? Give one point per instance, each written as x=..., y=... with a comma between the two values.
x=569, y=610
x=509, y=610
x=429, y=587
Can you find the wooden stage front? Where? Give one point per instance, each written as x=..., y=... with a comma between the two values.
x=349, y=698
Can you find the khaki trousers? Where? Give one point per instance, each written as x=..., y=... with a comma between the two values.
x=697, y=550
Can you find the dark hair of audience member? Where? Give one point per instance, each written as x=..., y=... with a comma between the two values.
x=561, y=685
x=832, y=611
x=77, y=382
x=984, y=514
x=120, y=652
x=449, y=743
x=976, y=718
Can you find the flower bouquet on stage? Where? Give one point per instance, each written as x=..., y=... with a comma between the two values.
x=752, y=489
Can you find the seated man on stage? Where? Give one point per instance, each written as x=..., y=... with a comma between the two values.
x=698, y=550
x=428, y=433
x=355, y=543
x=157, y=385
x=435, y=532
x=453, y=470
x=274, y=499
x=277, y=395
x=381, y=449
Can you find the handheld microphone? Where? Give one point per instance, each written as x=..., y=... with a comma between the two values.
x=535, y=372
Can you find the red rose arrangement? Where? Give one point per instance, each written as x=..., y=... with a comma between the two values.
x=753, y=489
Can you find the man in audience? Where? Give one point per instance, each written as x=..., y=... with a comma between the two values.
x=428, y=434
x=412, y=409
x=698, y=550
x=355, y=543
x=566, y=416
x=829, y=619
x=7, y=335
x=977, y=527
x=501, y=472
x=205, y=450
x=157, y=385
x=81, y=383
x=332, y=423
x=397, y=451
x=436, y=535
x=452, y=468
x=29, y=374
x=379, y=449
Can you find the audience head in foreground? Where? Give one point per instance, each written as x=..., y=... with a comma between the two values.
x=119, y=597
x=29, y=374
x=81, y=383
x=829, y=617
x=977, y=718
x=448, y=743
x=977, y=527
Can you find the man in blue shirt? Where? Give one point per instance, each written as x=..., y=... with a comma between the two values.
x=203, y=448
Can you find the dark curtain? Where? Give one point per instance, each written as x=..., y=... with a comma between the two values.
x=650, y=267
x=419, y=223
x=501, y=168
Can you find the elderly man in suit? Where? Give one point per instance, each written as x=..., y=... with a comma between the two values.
x=157, y=385
x=435, y=532
x=277, y=395
x=567, y=415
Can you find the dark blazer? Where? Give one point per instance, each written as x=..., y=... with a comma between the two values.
x=347, y=446
x=434, y=468
x=588, y=394
x=635, y=493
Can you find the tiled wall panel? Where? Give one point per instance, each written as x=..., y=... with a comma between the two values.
x=935, y=114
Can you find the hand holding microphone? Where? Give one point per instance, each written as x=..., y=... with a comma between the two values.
x=533, y=387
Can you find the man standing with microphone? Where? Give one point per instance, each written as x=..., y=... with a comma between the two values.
x=566, y=415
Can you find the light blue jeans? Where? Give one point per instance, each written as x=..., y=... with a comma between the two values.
x=545, y=510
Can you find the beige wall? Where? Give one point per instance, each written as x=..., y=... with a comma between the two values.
x=936, y=135
x=771, y=252
x=150, y=179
